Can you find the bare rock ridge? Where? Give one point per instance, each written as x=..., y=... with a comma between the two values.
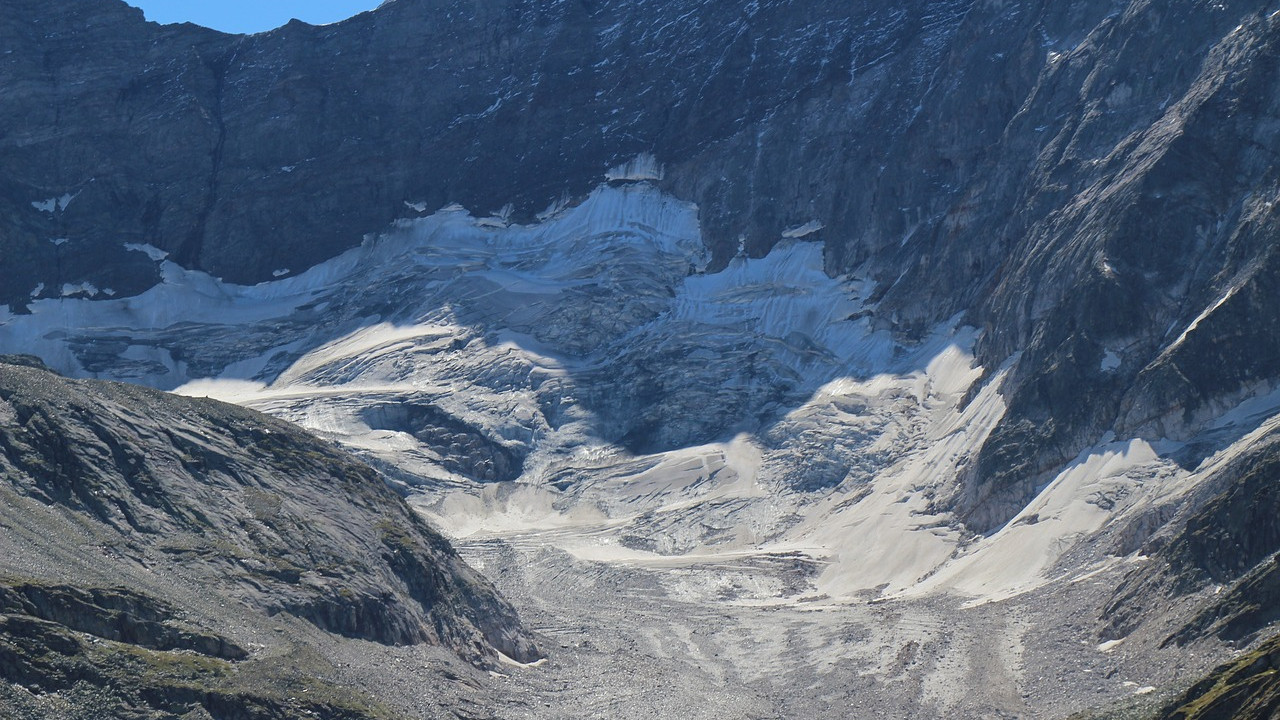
x=1247, y=688
x=153, y=545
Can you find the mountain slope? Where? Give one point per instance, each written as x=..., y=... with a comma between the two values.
x=1087, y=184
x=1226, y=538
x=1247, y=688
x=588, y=384
x=162, y=552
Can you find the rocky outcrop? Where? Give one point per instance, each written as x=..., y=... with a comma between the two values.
x=88, y=677
x=123, y=505
x=1246, y=688
x=1226, y=537
x=462, y=448
x=115, y=614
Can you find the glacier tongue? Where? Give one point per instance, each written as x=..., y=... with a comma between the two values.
x=587, y=377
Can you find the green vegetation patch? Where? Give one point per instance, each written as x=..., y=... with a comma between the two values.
x=1247, y=688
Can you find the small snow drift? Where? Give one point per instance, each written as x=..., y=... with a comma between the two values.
x=642, y=167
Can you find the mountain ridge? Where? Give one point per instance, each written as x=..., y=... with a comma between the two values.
x=154, y=545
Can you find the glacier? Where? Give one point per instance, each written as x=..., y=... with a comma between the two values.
x=593, y=367
x=585, y=395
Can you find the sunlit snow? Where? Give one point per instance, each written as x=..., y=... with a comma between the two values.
x=655, y=413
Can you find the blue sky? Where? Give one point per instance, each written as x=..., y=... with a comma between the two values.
x=250, y=16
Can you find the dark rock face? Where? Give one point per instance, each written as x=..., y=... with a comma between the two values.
x=246, y=155
x=233, y=516
x=93, y=678
x=1139, y=211
x=463, y=449
x=112, y=614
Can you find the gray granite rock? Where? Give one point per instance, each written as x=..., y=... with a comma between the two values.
x=141, y=527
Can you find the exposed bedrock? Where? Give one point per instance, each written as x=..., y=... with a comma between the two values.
x=274, y=519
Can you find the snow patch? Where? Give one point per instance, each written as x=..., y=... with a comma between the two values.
x=553, y=210
x=151, y=251
x=506, y=660
x=1017, y=558
x=788, y=295
x=804, y=230
x=1110, y=361
x=888, y=539
x=499, y=220
x=226, y=390
x=84, y=288
x=54, y=204
x=1249, y=412
x=642, y=167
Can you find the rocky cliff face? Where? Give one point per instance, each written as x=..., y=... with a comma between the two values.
x=204, y=145
x=159, y=551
